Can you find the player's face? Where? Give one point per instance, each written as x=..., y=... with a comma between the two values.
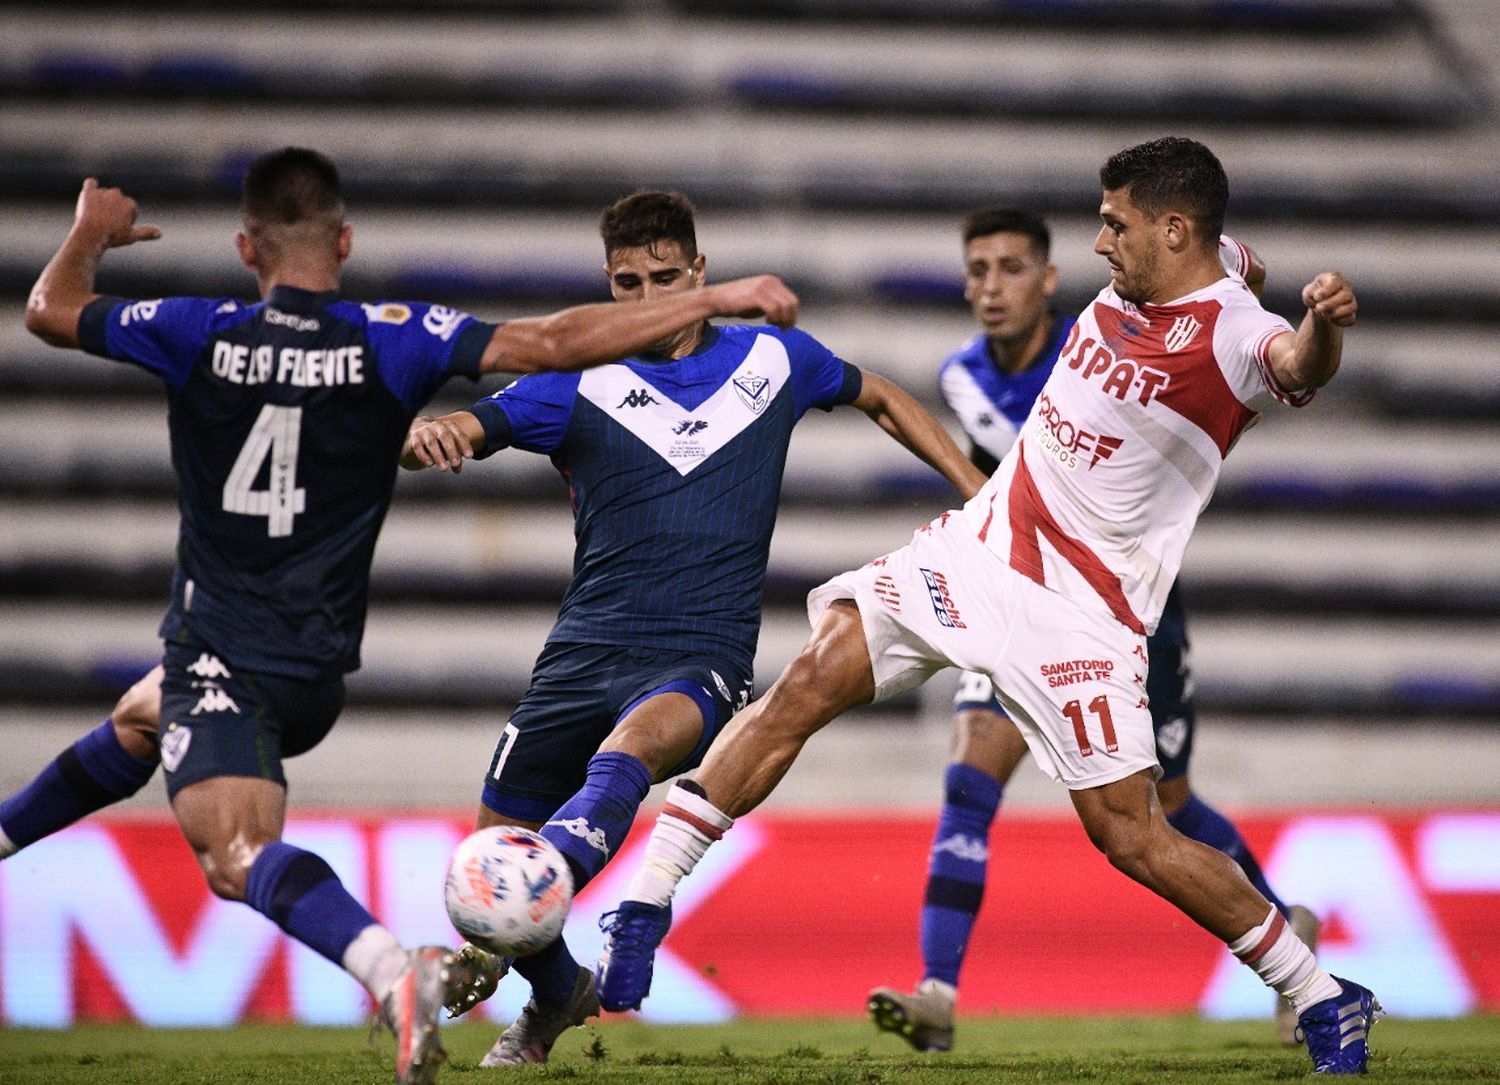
x=1007, y=284
x=655, y=271
x=652, y=272
x=1129, y=241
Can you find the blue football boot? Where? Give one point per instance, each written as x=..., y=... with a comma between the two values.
x=631, y=934
x=1337, y=1030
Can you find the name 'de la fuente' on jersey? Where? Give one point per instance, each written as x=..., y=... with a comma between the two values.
x=292, y=365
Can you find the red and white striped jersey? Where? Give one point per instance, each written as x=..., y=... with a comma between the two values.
x=1124, y=446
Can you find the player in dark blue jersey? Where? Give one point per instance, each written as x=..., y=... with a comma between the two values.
x=990, y=383
x=673, y=461
x=287, y=419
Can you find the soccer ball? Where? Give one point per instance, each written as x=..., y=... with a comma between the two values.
x=508, y=890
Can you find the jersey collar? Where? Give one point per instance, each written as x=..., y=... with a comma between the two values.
x=294, y=299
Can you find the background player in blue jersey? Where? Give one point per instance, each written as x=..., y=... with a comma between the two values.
x=991, y=383
x=287, y=418
x=673, y=461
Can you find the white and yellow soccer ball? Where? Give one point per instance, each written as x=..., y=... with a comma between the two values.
x=508, y=890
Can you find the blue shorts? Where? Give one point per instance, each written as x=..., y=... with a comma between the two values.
x=217, y=721
x=1169, y=686
x=578, y=693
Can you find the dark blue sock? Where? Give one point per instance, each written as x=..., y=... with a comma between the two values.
x=956, y=870
x=1201, y=822
x=301, y=894
x=551, y=973
x=89, y=775
x=591, y=826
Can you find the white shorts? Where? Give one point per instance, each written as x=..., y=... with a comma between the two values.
x=1073, y=679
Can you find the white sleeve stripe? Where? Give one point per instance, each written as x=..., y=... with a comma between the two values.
x=1268, y=375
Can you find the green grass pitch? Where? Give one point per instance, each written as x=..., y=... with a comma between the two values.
x=827, y=1052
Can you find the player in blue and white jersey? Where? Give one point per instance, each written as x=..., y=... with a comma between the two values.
x=673, y=461
x=287, y=418
x=990, y=383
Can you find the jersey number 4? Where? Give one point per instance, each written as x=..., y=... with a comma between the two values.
x=276, y=433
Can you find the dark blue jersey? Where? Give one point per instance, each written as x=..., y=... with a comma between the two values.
x=287, y=419
x=674, y=468
x=990, y=403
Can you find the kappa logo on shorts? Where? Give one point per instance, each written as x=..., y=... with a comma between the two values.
x=208, y=666
x=886, y=588
x=1171, y=737
x=174, y=745
x=942, y=600
x=214, y=699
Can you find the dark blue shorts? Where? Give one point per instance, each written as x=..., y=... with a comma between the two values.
x=578, y=693
x=217, y=721
x=1169, y=688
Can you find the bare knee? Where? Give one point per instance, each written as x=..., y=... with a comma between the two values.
x=227, y=870
x=137, y=714
x=1125, y=842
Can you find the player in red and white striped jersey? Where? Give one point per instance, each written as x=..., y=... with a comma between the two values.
x=1049, y=580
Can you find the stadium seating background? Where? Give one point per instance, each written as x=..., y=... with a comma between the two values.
x=1344, y=584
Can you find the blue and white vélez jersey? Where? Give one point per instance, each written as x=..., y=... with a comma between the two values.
x=674, y=471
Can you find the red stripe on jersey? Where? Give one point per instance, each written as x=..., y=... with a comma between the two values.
x=984, y=532
x=713, y=832
x=1028, y=517
x=1196, y=388
x=1261, y=948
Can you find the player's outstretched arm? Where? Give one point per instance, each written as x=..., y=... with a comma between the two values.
x=443, y=442
x=896, y=412
x=588, y=335
x=1310, y=358
x=104, y=219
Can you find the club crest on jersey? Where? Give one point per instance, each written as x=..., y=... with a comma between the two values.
x=753, y=391
x=174, y=745
x=1181, y=333
x=942, y=600
x=886, y=589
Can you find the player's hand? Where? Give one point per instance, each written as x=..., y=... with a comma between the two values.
x=758, y=295
x=440, y=443
x=108, y=215
x=1330, y=298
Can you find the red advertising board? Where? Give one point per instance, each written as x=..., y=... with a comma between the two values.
x=790, y=914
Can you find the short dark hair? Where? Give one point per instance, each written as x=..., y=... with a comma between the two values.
x=644, y=219
x=1008, y=220
x=1172, y=173
x=292, y=186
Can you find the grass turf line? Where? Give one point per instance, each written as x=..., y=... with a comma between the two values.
x=1173, y=1050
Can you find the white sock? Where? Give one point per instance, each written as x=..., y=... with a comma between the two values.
x=1284, y=963
x=6, y=847
x=375, y=958
x=684, y=829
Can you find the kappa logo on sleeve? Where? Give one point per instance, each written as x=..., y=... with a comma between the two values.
x=442, y=321
x=139, y=312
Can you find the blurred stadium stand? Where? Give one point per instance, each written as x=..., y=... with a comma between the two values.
x=1348, y=569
